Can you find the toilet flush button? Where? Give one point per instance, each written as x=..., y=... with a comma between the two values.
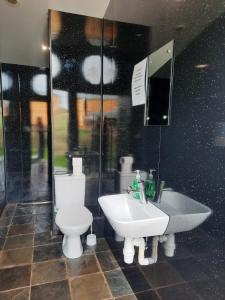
x=91, y=239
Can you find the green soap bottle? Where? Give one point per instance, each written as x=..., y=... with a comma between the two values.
x=150, y=186
x=136, y=190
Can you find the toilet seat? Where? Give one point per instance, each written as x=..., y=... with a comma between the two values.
x=70, y=217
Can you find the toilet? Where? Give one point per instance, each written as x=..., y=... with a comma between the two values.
x=72, y=217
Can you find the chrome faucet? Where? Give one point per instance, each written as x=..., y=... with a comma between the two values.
x=142, y=190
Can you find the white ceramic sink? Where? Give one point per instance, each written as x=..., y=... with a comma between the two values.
x=129, y=218
x=184, y=213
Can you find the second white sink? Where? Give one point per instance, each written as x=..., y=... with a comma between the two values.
x=129, y=218
x=185, y=213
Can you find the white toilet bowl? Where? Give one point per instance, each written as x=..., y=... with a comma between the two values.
x=72, y=218
x=73, y=221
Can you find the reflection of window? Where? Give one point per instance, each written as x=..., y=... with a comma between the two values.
x=7, y=82
x=56, y=65
x=91, y=69
x=6, y=104
x=60, y=115
x=38, y=110
x=39, y=84
x=39, y=125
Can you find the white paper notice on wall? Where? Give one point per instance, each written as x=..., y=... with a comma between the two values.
x=138, y=86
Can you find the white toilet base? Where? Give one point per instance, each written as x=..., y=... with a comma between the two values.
x=72, y=247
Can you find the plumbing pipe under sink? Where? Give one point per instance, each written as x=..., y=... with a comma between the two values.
x=128, y=251
x=168, y=244
x=129, y=244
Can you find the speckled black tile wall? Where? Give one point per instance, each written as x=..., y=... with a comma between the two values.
x=192, y=149
x=191, y=153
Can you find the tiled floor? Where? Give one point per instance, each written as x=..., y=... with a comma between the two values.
x=32, y=266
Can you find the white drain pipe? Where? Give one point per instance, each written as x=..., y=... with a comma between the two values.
x=169, y=245
x=129, y=252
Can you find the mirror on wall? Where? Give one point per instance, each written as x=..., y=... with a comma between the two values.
x=159, y=86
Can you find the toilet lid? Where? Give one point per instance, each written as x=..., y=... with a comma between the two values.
x=74, y=216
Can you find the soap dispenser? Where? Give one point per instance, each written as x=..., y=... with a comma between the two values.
x=150, y=186
x=135, y=187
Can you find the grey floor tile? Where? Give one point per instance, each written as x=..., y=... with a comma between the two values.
x=11, y=258
x=5, y=221
x=147, y=295
x=49, y=271
x=28, y=219
x=51, y=291
x=42, y=227
x=2, y=242
x=128, y=297
x=3, y=231
x=212, y=289
x=102, y=245
x=90, y=287
x=43, y=218
x=18, y=294
x=9, y=210
x=25, y=210
x=178, y=292
x=118, y=283
x=47, y=252
x=161, y=274
x=21, y=229
x=19, y=241
x=107, y=261
x=45, y=238
x=44, y=209
x=15, y=277
x=136, y=279
x=189, y=269
x=85, y=264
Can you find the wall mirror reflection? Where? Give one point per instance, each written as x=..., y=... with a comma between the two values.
x=159, y=86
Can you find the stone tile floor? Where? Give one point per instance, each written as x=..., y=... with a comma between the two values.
x=32, y=265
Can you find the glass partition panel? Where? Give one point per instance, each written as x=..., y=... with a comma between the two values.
x=2, y=156
x=76, y=96
x=26, y=124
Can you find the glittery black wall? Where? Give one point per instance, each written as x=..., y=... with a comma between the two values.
x=192, y=156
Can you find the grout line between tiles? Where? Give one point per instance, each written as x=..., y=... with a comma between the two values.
x=18, y=288
x=48, y=282
x=17, y=248
x=68, y=278
x=101, y=271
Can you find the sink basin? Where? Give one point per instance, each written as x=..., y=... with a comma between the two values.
x=129, y=218
x=184, y=213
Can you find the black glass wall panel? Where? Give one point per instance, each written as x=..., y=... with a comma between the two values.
x=76, y=45
x=123, y=125
x=2, y=156
x=26, y=124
